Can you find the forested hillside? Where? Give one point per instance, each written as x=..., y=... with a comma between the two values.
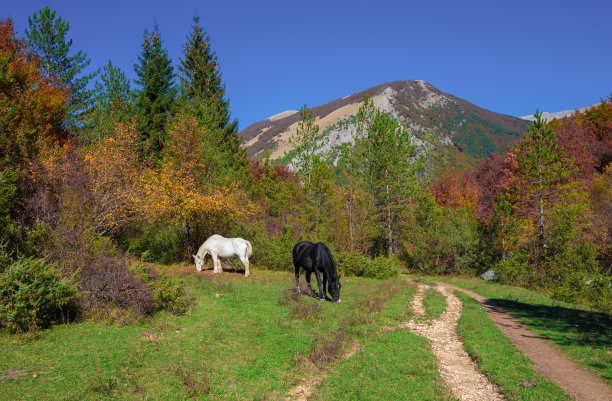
x=98, y=173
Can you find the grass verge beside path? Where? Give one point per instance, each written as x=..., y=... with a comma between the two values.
x=585, y=336
x=393, y=365
x=499, y=359
x=398, y=365
x=435, y=304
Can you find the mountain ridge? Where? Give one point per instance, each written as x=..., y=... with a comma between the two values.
x=459, y=130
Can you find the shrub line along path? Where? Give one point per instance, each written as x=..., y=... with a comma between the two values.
x=456, y=367
x=549, y=361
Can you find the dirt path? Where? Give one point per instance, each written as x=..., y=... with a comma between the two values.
x=456, y=367
x=549, y=361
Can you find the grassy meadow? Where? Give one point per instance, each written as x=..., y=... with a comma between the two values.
x=242, y=339
x=255, y=339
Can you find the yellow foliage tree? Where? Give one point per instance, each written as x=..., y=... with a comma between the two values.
x=127, y=191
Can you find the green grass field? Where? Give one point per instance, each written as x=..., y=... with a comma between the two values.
x=242, y=339
x=584, y=335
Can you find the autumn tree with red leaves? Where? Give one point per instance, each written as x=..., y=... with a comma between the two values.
x=32, y=107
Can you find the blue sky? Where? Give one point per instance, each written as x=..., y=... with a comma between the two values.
x=509, y=57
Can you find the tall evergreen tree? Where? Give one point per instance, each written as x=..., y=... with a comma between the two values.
x=112, y=101
x=46, y=37
x=542, y=174
x=202, y=86
x=157, y=93
x=387, y=166
x=307, y=142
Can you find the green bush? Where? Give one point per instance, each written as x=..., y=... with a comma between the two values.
x=350, y=263
x=270, y=251
x=356, y=264
x=168, y=291
x=381, y=267
x=512, y=271
x=33, y=294
x=600, y=292
x=160, y=243
x=446, y=240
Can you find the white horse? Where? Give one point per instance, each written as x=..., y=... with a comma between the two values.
x=218, y=246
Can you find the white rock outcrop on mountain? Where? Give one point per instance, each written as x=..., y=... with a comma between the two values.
x=558, y=114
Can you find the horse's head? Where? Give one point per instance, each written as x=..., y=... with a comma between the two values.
x=198, y=262
x=334, y=289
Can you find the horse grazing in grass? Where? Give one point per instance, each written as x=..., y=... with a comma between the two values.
x=218, y=246
x=318, y=259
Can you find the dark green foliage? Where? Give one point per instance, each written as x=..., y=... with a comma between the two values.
x=542, y=172
x=162, y=243
x=169, y=294
x=33, y=294
x=200, y=78
x=270, y=250
x=156, y=95
x=112, y=103
x=46, y=36
x=16, y=240
x=8, y=198
x=569, y=276
x=446, y=240
x=386, y=159
x=318, y=195
x=168, y=290
x=566, y=267
x=355, y=264
x=202, y=87
x=479, y=137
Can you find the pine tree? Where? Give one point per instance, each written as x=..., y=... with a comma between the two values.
x=112, y=101
x=542, y=174
x=386, y=158
x=155, y=98
x=306, y=141
x=201, y=86
x=46, y=38
x=113, y=91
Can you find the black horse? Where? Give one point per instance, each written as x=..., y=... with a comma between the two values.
x=318, y=259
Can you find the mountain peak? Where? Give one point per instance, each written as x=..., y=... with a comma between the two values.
x=461, y=131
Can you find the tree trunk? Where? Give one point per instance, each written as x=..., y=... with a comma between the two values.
x=541, y=224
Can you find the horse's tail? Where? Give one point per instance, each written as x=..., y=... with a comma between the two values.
x=249, y=250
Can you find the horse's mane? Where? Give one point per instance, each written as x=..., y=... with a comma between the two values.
x=323, y=251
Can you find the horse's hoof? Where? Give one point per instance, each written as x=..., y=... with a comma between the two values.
x=322, y=299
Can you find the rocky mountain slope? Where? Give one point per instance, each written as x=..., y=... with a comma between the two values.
x=558, y=114
x=459, y=131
